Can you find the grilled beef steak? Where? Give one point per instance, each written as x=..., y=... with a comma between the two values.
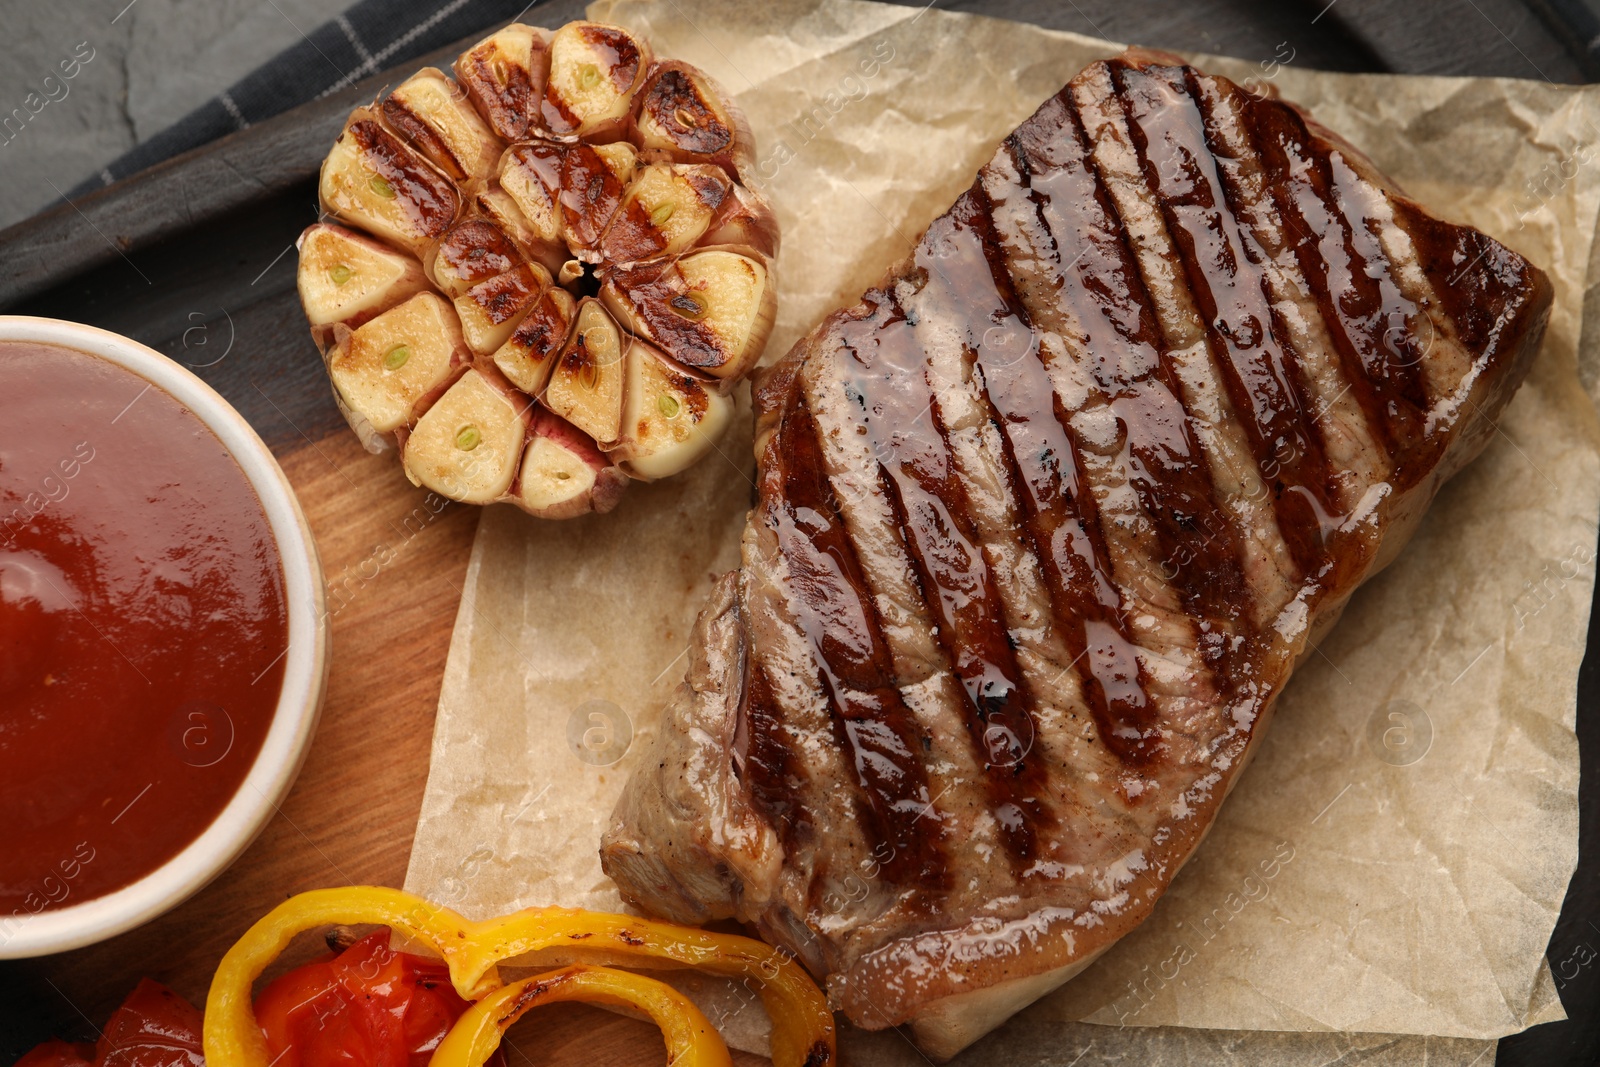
x=1044, y=524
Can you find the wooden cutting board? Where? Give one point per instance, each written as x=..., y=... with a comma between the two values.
x=195, y=258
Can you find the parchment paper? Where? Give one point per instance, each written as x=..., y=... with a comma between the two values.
x=1395, y=860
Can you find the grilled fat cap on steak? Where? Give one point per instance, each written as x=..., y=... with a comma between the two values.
x=1044, y=524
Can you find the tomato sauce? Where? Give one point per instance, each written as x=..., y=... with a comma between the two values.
x=143, y=627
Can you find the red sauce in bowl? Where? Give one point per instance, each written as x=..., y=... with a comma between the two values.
x=143, y=627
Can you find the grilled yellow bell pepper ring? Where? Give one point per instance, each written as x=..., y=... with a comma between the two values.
x=233, y=1039
x=803, y=1032
x=690, y=1037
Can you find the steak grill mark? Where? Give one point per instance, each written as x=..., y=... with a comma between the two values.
x=835, y=611
x=901, y=419
x=1061, y=522
x=1220, y=262
x=1369, y=320
x=1101, y=289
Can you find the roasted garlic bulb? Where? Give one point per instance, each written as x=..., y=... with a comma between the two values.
x=543, y=277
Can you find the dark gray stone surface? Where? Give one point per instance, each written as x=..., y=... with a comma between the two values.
x=151, y=62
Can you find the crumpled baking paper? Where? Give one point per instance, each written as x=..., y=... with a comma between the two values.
x=1394, y=861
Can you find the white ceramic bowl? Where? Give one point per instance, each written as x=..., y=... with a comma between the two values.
x=305, y=664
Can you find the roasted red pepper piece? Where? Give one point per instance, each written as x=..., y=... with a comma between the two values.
x=368, y=1006
x=154, y=1027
